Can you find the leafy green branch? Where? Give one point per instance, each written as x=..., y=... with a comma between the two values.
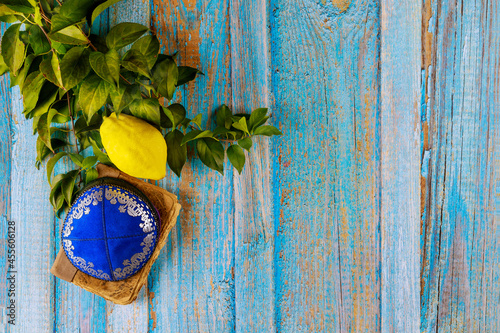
x=71, y=79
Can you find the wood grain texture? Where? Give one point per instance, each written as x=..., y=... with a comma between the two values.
x=326, y=197
x=400, y=164
x=5, y=182
x=460, y=169
x=192, y=289
x=32, y=213
x=254, y=216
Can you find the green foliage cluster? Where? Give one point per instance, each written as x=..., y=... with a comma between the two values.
x=70, y=79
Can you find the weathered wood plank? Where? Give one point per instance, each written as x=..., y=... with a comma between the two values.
x=254, y=216
x=192, y=286
x=460, y=171
x=325, y=74
x=400, y=164
x=33, y=216
x=5, y=184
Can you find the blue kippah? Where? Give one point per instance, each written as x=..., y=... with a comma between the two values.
x=110, y=231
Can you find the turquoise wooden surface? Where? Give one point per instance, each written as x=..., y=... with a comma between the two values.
x=400, y=63
x=460, y=169
x=378, y=210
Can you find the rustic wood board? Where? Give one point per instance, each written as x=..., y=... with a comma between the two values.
x=325, y=58
x=192, y=290
x=400, y=57
x=378, y=210
x=460, y=263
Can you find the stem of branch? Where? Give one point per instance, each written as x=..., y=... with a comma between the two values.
x=72, y=123
x=223, y=140
x=129, y=83
x=46, y=35
x=88, y=40
x=42, y=13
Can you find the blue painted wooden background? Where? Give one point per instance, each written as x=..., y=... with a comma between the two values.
x=378, y=210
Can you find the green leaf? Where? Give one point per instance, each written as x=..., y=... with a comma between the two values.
x=136, y=62
x=47, y=5
x=44, y=130
x=148, y=87
x=74, y=66
x=223, y=117
x=71, y=12
x=149, y=46
x=56, y=181
x=211, y=153
x=59, y=118
x=52, y=163
x=24, y=34
x=38, y=41
x=93, y=95
x=107, y=66
x=47, y=97
x=13, y=50
x=20, y=6
x=169, y=119
x=123, y=34
x=62, y=206
x=102, y=157
x=176, y=152
x=59, y=47
x=89, y=162
x=50, y=116
x=219, y=130
x=21, y=76
x=185, y=123
x=51, y=70
x=9, y=19
x=147, y=109
x=257, y=118
x=31, y=90
x=236, y=157
x=76, y=158
x=178, y=113
x=197, y=120
x=102, y=7
x=8, y=15
x=42, y=151
x=6, y=11
x=68, y=184
x=241, y=124
x=196, y=134
x=3, y=66
x=90, y=175
x=187, y=74
x=245, y=143
x=165, y=76
x=99, y=43
x=267, y=131
x=123, y=96
x=81, y=125
x=59, y=202
x=56, y=193
x=38, y=16
x=70, y=35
